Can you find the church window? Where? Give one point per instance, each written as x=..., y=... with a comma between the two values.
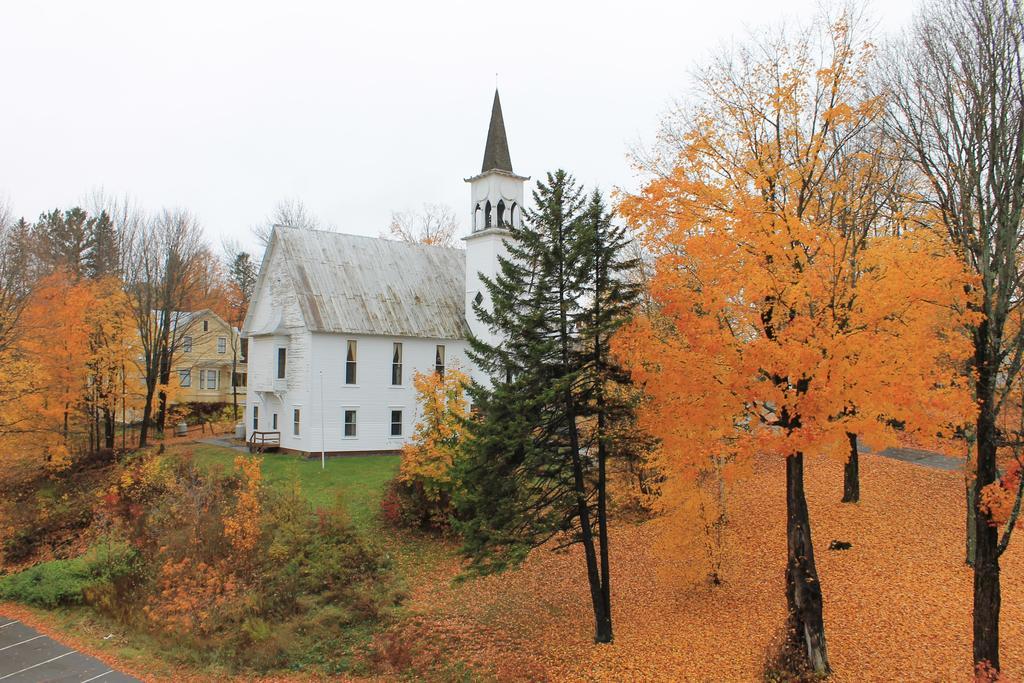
x=487, y=214
x=501, y=212
x=350, y=423
x=296, y=422
x=479, y=298
x=350, y=362
x=282, y=362
x=255, y=418
x=476, y=218
x=512, y=214
x=439, y=360
x=396, y=365
x=396, y=423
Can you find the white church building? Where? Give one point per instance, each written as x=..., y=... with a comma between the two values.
x=339, y=324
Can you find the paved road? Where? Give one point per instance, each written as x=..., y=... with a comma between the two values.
x=925, y=458
x=27, y=656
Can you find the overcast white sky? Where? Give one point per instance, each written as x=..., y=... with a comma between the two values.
x=357, y=109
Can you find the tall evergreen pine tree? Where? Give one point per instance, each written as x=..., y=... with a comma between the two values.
x=535, y=460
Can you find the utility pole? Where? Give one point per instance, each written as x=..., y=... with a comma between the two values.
x=323, y=437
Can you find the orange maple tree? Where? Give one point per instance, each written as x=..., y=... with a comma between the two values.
x=781, y=328
x=55, y=341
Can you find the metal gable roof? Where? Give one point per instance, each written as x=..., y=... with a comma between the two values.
x=366, y=285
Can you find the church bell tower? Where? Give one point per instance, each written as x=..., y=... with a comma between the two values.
x=496, y=202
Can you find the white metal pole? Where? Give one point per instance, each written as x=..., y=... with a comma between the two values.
x=323, y=437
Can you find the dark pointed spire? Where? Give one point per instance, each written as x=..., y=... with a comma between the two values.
x=496, y=155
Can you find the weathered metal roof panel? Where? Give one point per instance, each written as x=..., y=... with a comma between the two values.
x=367, y=285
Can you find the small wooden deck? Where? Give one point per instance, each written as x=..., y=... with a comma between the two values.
x=261, y=442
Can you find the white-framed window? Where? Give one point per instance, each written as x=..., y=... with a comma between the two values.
x=350, y=362
x=186, y=344
x=185, y=378
x=396, y=422
x=222, y=344
x=396, y=364
x=282, y=362
x=239, y=379
x=296, y=422
x=209, y=379
x=255, y=418
x=350, y=423
x=439, y=354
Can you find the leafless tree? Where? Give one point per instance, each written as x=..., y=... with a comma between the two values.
x=127, y=217
x=288, y=212
x=163, y=255
x=436, y=224
x=15, y=279
x=957, y=103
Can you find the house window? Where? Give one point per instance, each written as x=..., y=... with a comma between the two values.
x=186, y=344
x=222, y=344
x=273, y=422
x=206, y=326
x=350, y=362
x=255, y=418
x=282, y=362
x=439, y=360
x=396, y=423
x=239, y=379
x=244, y=350
x=396, y=364
x=296, y=416
x=185, y=377
x=208, y=379
x=350, y=423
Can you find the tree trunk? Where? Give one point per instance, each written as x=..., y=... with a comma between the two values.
x=972, y=530
x=805, y=624
x=147, y=415
x=108, y=428
x=986, y=553
x=602, y=619
x=851, y=472
x=602, y=522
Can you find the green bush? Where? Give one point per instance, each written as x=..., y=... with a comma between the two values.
x=70, y=582
x=50, y=584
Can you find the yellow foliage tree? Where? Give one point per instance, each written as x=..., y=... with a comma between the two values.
x=428, y=457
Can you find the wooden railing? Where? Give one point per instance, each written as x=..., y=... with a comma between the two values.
x=263, y=441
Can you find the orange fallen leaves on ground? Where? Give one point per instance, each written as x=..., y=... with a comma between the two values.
x=898, y=602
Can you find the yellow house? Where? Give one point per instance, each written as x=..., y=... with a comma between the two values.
x=206, y=350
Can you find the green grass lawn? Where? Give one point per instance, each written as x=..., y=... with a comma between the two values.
x=359, y=480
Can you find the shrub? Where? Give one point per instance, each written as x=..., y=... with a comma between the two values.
x=20, y=545
x=243, y=574
x=421, y=495
x=70, y=582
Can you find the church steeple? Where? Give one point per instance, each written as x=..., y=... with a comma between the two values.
x=496, y=205
x=496, y=156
